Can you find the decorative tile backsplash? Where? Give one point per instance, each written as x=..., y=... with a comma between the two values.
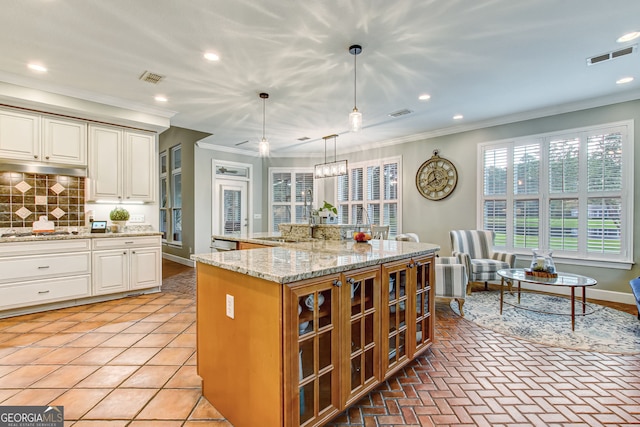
x=25, y=197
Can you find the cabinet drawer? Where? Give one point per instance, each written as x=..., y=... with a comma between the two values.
x=15, y=269
x=124, y=242
x=44, y=291
x=44, y=247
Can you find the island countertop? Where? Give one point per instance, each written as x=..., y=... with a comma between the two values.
x=292, y=262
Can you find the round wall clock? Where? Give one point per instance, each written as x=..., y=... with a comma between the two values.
x=436, y=178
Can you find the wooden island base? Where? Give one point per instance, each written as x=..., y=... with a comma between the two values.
x=297, y=353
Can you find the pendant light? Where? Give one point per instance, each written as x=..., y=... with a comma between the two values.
x=330, y=169
x=263, y=146
x=355, y=118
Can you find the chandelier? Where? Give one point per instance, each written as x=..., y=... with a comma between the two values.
x=329, y=169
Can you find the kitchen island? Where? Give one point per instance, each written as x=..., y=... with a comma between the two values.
x=293, y=334
x=48, y=271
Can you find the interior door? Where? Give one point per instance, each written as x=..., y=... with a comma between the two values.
x=232, y=207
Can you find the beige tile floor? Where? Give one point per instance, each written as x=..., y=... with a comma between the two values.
x=128, y=362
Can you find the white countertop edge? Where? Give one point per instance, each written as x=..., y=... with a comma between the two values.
x=78, y=236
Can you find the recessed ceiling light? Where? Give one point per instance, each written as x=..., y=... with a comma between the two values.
x=628, y=37
x=37, y=67
x=161, y=98
x=424, y=97
x=624, y=80
x=211, y=56
x=458, y=117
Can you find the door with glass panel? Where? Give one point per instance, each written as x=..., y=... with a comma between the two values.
x=313, y=370
x=361, y=338
x=396, y=308
x=232, y=207
x=424, y=302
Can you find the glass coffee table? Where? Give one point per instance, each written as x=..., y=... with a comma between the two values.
x=571, y=281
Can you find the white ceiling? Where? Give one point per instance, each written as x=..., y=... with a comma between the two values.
x=490, y=60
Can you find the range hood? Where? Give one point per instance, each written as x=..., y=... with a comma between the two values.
x=42, y=169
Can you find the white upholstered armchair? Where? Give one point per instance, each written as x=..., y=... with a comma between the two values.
x=451, y=275
x=474, y=249
x=451, y=280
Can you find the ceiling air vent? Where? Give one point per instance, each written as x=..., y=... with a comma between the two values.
x=400, y=113
x=611, y=55
x=150, y=77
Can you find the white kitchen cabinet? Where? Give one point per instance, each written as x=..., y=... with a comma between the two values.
x=121, y=164
x=42, y=139
x=110, y=271
x=19, y=135
x=35, y=273
x=123, y=264
x=64, y=141
x=139, y=166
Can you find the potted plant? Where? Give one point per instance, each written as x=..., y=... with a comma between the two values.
x=119, y=217
x=327, y=209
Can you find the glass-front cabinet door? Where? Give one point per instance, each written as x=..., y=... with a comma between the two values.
x=395, y=297
x=312, y=373
x=361, y=343
x=424, y=293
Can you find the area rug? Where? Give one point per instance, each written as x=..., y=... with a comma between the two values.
x=604, y=330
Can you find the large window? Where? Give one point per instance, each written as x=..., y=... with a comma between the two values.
x=164, y=195
x=571, y=192
x=370, y=194
x=288, y=190
x=171, y=195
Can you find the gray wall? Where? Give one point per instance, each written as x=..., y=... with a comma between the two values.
x=187, y=139
x=203, y=203
x=433, y=220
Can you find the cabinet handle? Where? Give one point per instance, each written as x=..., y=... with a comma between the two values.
x=43, y=292
x=337, y=283
x=418, y=264
x=128, y=243
x=351, y=280
x=133, y=252
x=47, y=157
x=42, y=267
x=410, y=265
x=35, y=156
x=124, y=253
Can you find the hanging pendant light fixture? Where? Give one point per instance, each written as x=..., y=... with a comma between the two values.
x=355, y=118
x=263, y=146
x=329, y=169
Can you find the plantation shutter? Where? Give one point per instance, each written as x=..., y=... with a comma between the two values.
x=343, y=199
x=390, y=207
x=281, y=190
x=304, y=182
x=604, y=171
x=494, y=209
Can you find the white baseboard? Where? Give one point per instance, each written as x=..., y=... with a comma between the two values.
x=599, y=294
x=179, y=260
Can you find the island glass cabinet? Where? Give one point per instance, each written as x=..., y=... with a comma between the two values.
x=305, y=351
x=350, y=331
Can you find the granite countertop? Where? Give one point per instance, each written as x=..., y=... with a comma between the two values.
x=266, y=238
x=291, y=262
x=80, y=235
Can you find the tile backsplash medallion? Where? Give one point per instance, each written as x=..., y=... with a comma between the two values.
x=25, y=197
